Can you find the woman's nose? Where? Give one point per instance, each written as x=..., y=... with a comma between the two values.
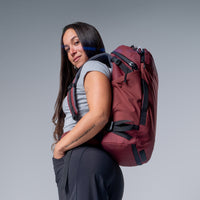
x=73, y=50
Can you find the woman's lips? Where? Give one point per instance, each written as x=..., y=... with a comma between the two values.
x=76, y=59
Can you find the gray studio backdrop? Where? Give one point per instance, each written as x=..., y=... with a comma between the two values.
x=29, y=73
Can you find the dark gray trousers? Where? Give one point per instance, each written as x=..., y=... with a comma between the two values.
x=88, y=173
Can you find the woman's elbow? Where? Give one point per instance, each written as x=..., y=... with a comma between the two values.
x=105, y=119
x=101, y=118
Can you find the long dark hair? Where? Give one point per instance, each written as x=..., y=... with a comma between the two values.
x=92, y=45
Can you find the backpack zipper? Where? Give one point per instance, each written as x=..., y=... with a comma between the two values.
x=126, y=60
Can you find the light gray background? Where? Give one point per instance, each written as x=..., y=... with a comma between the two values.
x=29, y=71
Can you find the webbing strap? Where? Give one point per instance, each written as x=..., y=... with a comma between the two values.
x=143, y=156
x=136, y=155
x=123, y=134
x=120, y=128
x=122, y=125
x=144, y=90
x=145, y=102
x=121, y=65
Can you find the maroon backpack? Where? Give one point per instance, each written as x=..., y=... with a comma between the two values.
x=130, y=134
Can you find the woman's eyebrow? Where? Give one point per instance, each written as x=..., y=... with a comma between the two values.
x=65, y=45
x=74, y=38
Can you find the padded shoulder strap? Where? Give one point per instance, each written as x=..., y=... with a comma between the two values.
x=105, y=58
x=71, y=97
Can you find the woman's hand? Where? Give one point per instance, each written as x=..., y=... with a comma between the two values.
x=58, y=153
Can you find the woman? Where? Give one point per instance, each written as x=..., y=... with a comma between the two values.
x=84, y=172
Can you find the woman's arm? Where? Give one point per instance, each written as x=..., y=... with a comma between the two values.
x=98, y=93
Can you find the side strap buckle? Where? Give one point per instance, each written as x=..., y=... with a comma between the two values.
x=110, y=126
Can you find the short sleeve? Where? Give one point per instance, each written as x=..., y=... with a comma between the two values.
x=93, y=65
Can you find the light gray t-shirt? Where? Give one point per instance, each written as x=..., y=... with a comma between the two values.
x=82, y=104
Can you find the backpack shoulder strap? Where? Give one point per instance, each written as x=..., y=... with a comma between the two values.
x=71, y=97
x=105, y=58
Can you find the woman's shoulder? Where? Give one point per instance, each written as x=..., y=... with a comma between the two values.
x=94, y=65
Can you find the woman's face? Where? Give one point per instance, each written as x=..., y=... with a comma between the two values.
x=74, y=49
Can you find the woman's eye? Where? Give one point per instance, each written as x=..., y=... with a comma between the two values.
x=76, y=43
x=67, y=50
